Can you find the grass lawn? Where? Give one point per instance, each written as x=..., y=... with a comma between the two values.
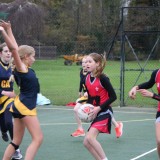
x=60, y=83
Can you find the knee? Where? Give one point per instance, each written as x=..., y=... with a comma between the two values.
x=38, y=139
x=41, y=138
x=87, y=141
x=15, y=146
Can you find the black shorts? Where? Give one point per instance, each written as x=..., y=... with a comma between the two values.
x=18, y=115
x=158, y=114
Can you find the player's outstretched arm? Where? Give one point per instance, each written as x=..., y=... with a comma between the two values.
x=146, y=93
x=13, y=48
x=7, y=39
x=8, y=29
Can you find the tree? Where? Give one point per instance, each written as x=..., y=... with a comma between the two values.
x=26, y=19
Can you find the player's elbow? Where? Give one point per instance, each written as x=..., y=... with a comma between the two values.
x=114, y=97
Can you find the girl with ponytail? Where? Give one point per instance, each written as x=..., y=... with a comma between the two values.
x=100, y=94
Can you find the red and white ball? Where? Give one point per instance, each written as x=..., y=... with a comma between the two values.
x=84, y=111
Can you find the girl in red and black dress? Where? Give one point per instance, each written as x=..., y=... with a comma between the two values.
x=142, y=88
x=100, y=94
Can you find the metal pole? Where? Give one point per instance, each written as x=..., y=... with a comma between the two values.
x=122, y=63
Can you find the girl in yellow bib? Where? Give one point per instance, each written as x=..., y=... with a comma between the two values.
x=24, y=108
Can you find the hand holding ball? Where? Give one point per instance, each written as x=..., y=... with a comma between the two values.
x=84, y=111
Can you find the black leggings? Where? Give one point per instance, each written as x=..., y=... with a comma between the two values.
x=6, y=122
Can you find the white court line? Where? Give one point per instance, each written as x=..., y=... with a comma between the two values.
x=144, y=154
x=132, y=112
x=49, y=124
x=139, y=120
x=46, y=108
x=135, y=112
x=68, y=109
x=56, y=124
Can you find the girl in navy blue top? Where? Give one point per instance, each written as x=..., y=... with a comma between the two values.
x=6, y=94
x=83, y=73
x=24, y=108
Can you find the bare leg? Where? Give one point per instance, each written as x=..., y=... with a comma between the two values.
x=157, y=125
x=18, y=131
x=93, y=146
x=33, y=126
x=114, y=122
x=91, y=149
x=79, y=123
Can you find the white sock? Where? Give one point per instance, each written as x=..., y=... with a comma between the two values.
x=105, y=158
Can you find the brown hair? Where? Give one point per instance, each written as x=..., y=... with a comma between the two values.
x=101, y=59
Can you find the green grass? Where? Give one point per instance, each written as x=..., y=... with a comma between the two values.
x=60, y=83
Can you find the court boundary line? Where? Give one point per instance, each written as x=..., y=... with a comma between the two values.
x=141, y=155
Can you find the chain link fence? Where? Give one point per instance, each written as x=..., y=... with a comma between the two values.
x=128, y=36
x=139, y=50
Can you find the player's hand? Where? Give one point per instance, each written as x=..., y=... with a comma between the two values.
x=94, y=112
x=132, y=92
x=1, y=28
x=8, y=93
x=85, y=94
x=5, y=25
x=145, y=93
x=80, y=94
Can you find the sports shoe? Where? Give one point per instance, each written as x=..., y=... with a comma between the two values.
x=78, y=133
x=5, y=136
x=119, y=129
x=17, y=155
